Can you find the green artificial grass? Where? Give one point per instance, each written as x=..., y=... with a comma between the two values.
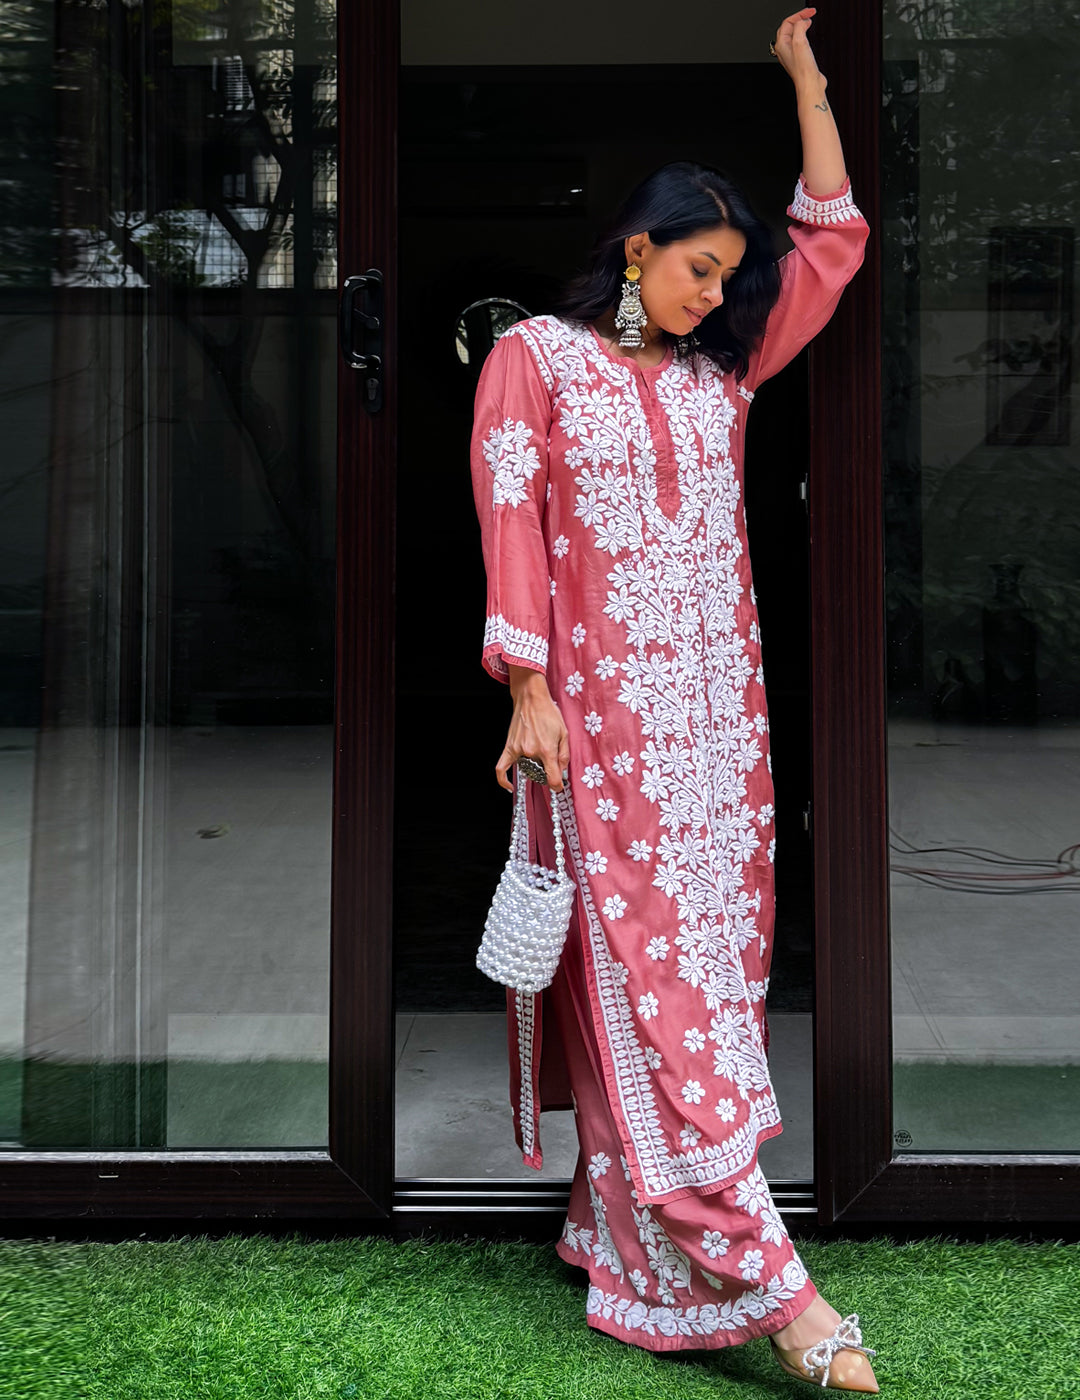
x=369, y=1319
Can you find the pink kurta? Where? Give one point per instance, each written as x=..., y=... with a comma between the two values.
x=611, y=506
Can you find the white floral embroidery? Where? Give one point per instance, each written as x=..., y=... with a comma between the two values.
x=512, y=462
x=560, y=547
x=574, y=683
x=751, y=1264
x=661, y=1169
x=753, y=1191
x=693, y=1091
x=690, y=1136
x=753, y=1194
x=598, y=1164
x=669, y=1265
x=694, y=1039
x=640, y=1282
x=821, y=211
x=623, y=763
x=614, y=907
x=715, y=1244
x=593, y=776
x=606, y=667
x=648, y=1006
x=604, y=1251
x=772, y=1227
x=577, y=634
x=658, y=948
x=607, y=810
x=577, y=1238
x=595, y=862
x=632, y=1315
x=515, y=643
x=725, y=1111
x=551, y=586
x=676, y=592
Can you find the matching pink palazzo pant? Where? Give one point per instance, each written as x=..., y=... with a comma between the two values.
x=701, y=1272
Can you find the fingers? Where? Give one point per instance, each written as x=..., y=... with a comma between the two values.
x=800, y=21
x=507, y=759
x=554, y=770
x=554, y=766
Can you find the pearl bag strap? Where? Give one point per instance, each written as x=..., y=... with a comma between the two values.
x=519, y=836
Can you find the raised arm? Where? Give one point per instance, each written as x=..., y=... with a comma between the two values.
x=827, y=229
x=823, y=155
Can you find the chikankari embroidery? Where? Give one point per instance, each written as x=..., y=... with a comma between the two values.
x=822, y=211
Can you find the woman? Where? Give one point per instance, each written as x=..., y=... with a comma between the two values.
x=607, y=468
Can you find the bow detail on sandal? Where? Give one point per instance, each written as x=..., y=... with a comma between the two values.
x=847, y=1336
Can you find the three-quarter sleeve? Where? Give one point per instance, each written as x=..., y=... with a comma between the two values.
x=829, y=233
x=509, y=459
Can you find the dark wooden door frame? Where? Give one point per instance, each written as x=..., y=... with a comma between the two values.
x=361, y=983
x=857, y=1175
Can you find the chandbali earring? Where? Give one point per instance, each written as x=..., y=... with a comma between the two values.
x=630, y=317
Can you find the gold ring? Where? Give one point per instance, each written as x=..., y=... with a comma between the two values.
x=772, y=48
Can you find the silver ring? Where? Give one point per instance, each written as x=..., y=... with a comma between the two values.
x=533, y=769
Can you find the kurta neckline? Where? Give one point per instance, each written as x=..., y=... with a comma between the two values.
x=629, y=359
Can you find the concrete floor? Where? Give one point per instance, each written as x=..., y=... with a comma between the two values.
x=453, y=1105
x=239, y=932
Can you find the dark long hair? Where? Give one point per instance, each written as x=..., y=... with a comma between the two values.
x=671, y=204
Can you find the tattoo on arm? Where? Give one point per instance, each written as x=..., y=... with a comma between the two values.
x=821, y=106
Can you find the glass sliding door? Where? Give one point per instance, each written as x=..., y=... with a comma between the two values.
x=500, y=173
x=167, y=573
x=982, y=577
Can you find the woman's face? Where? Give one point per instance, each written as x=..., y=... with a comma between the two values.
x=682, y=282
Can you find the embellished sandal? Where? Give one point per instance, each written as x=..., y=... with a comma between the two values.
x=816, y=1360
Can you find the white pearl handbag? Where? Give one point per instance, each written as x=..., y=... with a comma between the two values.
x=530, y=914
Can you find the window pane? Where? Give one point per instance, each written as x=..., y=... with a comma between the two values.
x=168, y=366
x=982, y=519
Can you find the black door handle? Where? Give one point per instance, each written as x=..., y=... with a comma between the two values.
x=360, y=329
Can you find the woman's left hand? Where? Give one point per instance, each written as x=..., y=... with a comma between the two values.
x=793, y=49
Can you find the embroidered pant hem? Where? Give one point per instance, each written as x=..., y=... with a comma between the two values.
x=700, y=1272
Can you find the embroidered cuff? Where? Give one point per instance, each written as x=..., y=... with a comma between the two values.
x=503, y=642
x=809, y=210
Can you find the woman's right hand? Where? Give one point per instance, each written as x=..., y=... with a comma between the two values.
x=536, y=729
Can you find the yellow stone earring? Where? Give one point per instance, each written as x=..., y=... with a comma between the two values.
x=630, y=317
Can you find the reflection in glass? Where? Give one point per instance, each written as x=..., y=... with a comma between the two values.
x=982, y=515
x=166, y=572
x=481, y=324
